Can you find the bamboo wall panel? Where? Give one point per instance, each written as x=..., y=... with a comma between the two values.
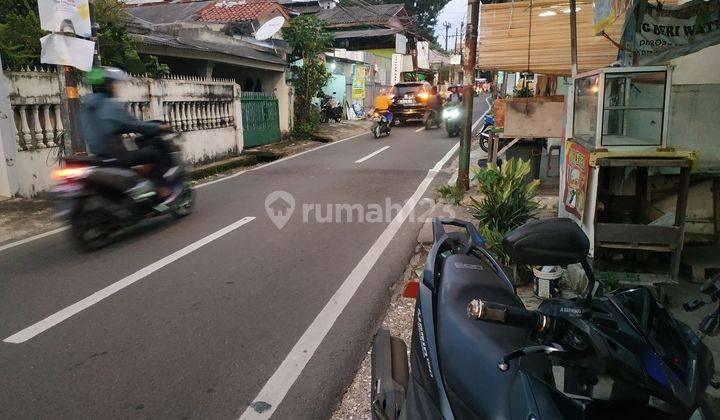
x=503, y=43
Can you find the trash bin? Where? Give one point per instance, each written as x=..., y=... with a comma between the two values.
x=527, y=150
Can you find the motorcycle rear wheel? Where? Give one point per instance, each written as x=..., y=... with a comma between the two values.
x=91, y=226
x=186, y=204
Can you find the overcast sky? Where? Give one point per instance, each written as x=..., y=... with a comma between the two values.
x=454, y=12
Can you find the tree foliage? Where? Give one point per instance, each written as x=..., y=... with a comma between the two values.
x=309, y=41
x=20, y=35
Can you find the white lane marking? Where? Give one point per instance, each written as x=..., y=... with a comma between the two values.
x=287, y=373
x=380, y=150
x=205, y=184
x=32, y=238
x=487, y=101
x=419, y=129
x=75, y=308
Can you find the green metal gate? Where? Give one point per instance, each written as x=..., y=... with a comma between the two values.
x=260, y=118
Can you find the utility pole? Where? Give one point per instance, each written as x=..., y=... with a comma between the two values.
x=573, y=37
x=463, y=180
x=447, y=26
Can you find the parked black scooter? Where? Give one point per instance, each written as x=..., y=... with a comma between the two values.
x=99, y=197
x=330, y=110
x=476, y=352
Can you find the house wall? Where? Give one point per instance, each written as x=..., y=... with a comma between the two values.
x=693, y=122
x=206, y=113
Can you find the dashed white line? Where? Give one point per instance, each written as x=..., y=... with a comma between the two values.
x=77, y=307
x=380, y=150
x=419, y=129
x=287, y=373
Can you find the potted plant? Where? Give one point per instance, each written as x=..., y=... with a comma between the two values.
x=507, y=202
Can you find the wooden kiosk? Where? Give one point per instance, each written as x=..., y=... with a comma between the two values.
x=617, y=141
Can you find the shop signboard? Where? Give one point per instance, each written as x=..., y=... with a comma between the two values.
x=358, y=87
x=577, y=169
x=662, y=33
x=65, y=16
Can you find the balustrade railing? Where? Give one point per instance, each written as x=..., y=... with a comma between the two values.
x=36, y=125
x=199, y=115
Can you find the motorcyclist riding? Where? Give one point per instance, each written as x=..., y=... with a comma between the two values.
x=382, y=105
x=103, y=119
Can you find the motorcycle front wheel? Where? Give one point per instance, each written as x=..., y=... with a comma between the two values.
x=376, y=131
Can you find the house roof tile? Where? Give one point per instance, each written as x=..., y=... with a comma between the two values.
x=238, y=11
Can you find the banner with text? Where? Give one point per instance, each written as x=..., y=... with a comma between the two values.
x=65, y=16
x=663, y=33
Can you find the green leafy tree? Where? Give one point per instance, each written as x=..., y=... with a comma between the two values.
x=20, y=35
x=309, y=41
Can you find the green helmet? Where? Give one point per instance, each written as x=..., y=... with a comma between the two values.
x=103, y=75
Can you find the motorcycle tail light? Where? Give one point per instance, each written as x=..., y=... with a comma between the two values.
x=69, y=172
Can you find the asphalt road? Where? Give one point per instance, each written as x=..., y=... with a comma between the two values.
x=202, y=317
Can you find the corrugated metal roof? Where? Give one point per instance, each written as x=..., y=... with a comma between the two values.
x=169, y=12
x=367, y=14
x=232, y=49
x=364, y=33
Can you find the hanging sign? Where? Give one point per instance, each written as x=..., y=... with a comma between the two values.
x=577, y=169
x=67, y=51
x=65, y=16
x=663, y=33
x=606, y=12
x=358, y=87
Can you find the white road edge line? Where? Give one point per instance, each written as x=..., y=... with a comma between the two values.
x=77, y=307
x=32, y=238
x=419, y=129
x=380, y=150
x=195, y=187
x=289, y=370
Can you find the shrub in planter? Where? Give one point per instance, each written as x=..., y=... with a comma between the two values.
x=507, y=202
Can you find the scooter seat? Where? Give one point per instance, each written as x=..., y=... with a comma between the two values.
x=469, y=350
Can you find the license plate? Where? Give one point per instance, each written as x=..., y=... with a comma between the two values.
x=406, y=101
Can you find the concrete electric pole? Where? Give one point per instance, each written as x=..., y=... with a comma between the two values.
x=447, y=26
x=463, y=180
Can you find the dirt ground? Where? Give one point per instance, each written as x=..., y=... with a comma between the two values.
x=20, y=218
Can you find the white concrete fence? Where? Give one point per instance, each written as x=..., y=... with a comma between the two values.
x=207, y=112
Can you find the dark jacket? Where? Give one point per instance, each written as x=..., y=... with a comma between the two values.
x=103, y=119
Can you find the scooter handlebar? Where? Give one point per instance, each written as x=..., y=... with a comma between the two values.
x=508, y=315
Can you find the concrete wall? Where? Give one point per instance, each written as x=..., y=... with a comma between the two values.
x=693, y=122
x=206, y=112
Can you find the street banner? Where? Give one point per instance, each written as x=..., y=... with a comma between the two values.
x=358, y=86
x=423, y=55
x=65, y=16
x=577, y=170
x=67, y=51
x=606, y=12
x=662, y=33
x=396, y=67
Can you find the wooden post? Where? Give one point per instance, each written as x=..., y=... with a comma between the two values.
x=70, y=101
x=681, y=208
x=463, y=180
x=573, y=37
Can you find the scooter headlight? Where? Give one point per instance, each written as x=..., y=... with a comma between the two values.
x=451, y=113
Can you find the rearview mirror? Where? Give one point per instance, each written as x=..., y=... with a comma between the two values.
x=547, y=242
